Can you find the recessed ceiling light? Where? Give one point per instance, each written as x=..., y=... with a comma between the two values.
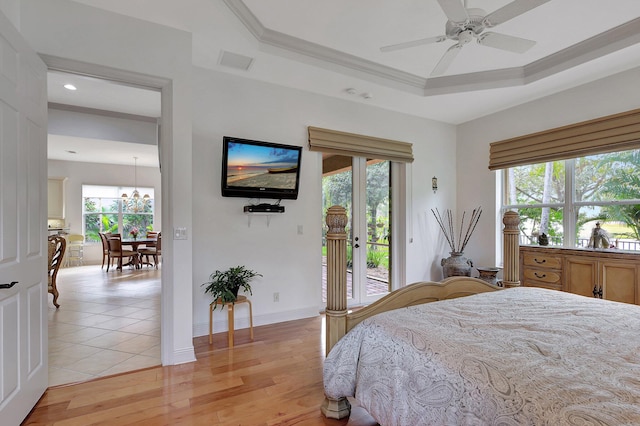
x=70, y=86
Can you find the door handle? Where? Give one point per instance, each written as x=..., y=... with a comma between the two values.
x=9, y=285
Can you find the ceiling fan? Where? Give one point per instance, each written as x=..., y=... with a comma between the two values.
x=463, y=25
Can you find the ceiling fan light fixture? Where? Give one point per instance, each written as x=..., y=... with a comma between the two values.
x=465, y=37
x=464, y=24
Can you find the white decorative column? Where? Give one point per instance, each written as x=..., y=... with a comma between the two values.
x=511, y=247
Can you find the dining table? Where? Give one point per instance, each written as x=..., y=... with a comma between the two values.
x=137, y=243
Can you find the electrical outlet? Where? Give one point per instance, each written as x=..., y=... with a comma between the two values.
x=276, y=297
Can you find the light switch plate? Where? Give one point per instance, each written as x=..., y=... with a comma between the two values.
x=180, y=233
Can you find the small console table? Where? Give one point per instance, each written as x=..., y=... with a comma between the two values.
x=230, y=312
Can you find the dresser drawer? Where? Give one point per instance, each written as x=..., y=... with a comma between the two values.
x=542, y=261
x=543, y=275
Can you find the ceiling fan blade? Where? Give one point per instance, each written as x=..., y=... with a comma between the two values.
x=455, y=11
x=446, y=60
x=407, y=44
x=505, y=42
x=510, y=11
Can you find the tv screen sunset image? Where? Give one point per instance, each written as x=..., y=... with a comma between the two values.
x=261, y=166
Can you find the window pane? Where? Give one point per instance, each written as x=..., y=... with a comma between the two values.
x=104, y=209
x=536, y=221
x=608, y=177
x=535, y=184
x=99, y=222
x=141, y=222
x=137, y=206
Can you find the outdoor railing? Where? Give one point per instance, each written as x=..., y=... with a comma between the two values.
x=628, y=245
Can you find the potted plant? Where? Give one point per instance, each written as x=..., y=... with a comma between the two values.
x=224, y=286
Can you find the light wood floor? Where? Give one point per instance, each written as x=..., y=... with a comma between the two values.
x=274, y=380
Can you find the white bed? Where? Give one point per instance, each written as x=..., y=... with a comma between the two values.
x=521, y=356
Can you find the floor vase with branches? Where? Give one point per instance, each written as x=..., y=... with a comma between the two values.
x=457, y=264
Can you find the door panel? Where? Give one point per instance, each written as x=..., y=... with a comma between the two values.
x=619, y=281
x=23, y=255
x=581, y=275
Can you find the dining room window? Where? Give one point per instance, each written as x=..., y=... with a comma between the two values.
x=105, y=210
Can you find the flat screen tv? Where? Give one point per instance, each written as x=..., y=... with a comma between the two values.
x=256, y=169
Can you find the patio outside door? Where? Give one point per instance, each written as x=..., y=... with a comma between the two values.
x=363, y=187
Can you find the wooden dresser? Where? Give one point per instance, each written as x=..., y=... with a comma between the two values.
x=609, y=274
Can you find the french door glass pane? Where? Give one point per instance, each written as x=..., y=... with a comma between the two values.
x=378, y=202
x=337, y=187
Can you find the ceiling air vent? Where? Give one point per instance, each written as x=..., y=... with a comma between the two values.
x=233, y=60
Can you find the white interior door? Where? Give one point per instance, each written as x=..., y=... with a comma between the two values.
x=23, y=237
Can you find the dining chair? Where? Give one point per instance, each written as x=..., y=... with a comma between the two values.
x=104, y=237
x=56, y=247
x=116, y=251
x=152, y=235
x=154, y=252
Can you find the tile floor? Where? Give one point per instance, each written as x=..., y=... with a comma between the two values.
x=107, y=323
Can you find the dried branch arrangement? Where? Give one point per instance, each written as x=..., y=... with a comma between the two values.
x=446, y=224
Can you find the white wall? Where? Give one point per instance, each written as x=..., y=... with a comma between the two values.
x=79, y=174
x=109, y=44
x=81, y=124
x=476, y=184
x=226, y=105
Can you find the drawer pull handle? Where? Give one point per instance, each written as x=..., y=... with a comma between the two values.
x=539, y=261
x=540, y=275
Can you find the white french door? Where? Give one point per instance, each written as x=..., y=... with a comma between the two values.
x=23, y=236
x=363, y=187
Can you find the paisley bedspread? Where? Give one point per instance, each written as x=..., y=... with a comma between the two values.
x=521, y=356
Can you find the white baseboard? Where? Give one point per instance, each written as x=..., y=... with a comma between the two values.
x=220, y=323
x=182, y=356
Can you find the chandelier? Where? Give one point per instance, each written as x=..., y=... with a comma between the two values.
x=135, y=203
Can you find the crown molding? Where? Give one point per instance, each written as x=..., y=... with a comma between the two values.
x=624, y=35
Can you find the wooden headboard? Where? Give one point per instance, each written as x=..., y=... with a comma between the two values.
x=339, y=321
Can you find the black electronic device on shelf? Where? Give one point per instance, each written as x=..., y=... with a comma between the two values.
x=264, y=208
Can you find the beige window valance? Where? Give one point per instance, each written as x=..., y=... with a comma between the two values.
x=353, y=145
x=616, y=132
